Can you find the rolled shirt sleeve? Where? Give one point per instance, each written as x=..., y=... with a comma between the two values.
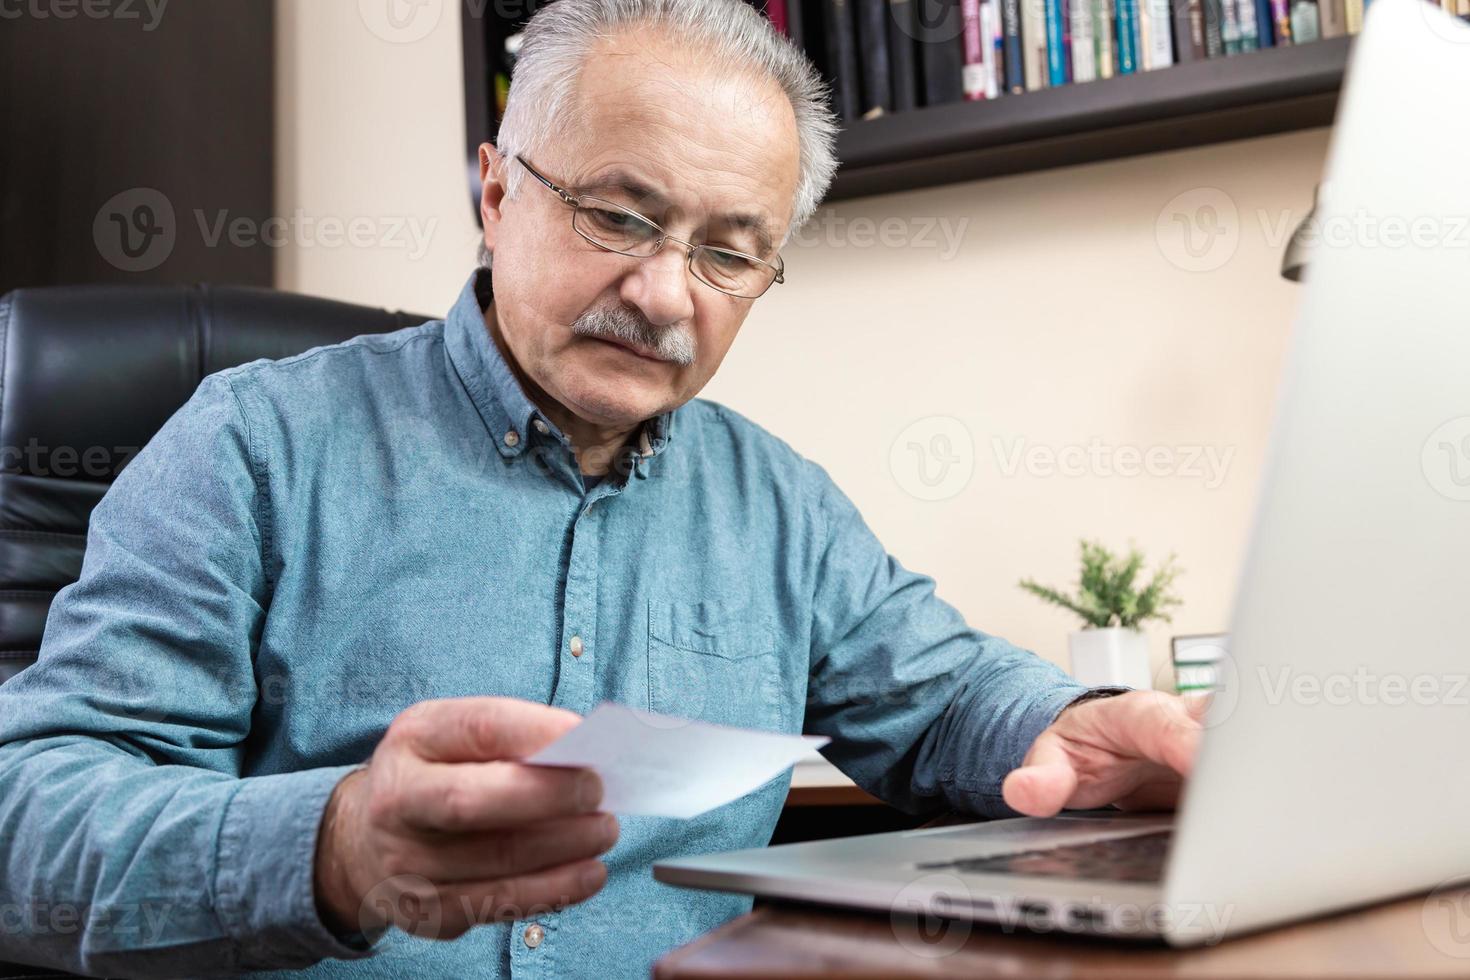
x=923, y=711
x=131, y=843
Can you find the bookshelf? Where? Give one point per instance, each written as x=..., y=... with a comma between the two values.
x=1256, y=93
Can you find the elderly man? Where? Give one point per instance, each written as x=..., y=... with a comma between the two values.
x=276, y=723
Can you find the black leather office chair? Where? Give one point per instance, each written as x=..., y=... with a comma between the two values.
x=87, y=375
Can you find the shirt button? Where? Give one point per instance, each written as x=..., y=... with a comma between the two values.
x=541, y=426
x=533, y=935
x=512, y=438
x=576, y=646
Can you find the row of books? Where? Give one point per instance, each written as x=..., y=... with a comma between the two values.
x=885, y=56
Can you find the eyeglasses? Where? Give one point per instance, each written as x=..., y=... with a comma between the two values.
x=615, y=228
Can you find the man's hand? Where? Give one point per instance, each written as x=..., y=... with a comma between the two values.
x=1132, y=749
x=444, y=829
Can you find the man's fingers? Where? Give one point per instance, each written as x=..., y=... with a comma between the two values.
x=1044, y=782
x=481, y=857
x=1198, y=704
x=1129, y=735
x=1168, y=731
x=474, y=796
x=1152, y=726
x=480, y=729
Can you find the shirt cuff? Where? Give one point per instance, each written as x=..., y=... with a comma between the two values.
x=1041, y=715
x=264, y=876
x=980, y=793
x=1096, y=693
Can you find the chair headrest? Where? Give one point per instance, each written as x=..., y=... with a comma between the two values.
x=88, y=374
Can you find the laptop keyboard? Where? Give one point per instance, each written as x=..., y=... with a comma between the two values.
x=1137, y=858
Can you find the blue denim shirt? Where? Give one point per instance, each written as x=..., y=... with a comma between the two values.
x=311, y=545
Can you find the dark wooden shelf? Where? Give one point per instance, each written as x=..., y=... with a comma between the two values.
x=1254, y=94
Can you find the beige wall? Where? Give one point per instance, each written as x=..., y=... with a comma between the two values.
x=1069, y=314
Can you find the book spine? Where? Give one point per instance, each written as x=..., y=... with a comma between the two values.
x=1067, y=39
x=1230, y=26
x=1127, y=36
x=995, y=82
x=1355, y=14
x=1189, y=30
x=902, y=54
x=1160, y=36
x=1056, y=58
x=975, y=42
x=1014, y=57
x=1033, y=42
x=1214, y=19
x=842, y=58
x=1281, y=23
x=794, y=23
x=1249, y=36
x=1333, y=17
x=776, y=12
x=1084, y=42
x=942, y=55
x=1140, y=35
x=1304, y=24
x=872, y=32
x=1265, y=21
x=1105, y=29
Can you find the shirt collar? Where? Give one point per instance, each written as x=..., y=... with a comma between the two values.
x=497, y=393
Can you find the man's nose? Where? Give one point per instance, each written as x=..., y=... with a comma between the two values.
x=660, y=286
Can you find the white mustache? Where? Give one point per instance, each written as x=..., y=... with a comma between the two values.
x=672, y=344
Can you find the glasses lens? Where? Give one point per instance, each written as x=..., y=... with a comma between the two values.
x=732, y=272
x=615, y=228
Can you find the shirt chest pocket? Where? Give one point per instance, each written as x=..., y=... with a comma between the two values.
x=716, y=661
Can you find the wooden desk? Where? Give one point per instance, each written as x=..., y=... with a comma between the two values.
x=1420, y=937
x=816, y=782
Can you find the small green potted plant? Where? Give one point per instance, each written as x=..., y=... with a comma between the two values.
x=1109, y=649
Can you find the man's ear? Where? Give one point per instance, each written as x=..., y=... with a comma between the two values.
x=492, y=191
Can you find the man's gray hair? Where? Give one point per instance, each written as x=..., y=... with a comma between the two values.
x=556, y=41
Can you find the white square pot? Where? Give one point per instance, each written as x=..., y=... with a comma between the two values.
x=1111, y=656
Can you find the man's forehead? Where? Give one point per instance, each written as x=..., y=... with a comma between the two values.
x=655, y=124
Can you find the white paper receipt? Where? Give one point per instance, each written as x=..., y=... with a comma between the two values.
x=658, y=766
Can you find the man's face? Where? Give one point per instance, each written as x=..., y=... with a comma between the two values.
x=708, y=143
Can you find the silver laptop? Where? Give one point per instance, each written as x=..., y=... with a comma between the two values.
x=1332, y=771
